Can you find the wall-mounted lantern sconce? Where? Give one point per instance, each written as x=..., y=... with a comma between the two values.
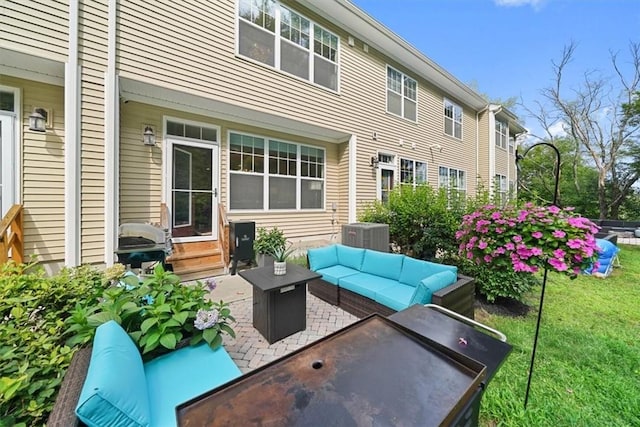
x=38, y=120
x=148, y=137
x=374, y=162
x=374, y=136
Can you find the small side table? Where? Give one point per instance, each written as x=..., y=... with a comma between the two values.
x=279, y=302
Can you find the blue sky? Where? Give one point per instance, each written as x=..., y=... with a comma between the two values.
x=506, y=46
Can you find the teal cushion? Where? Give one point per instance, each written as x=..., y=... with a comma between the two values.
x=350, y=257
x=365, y=284
x=115, y=389
x=322, y=257
x=382, y=264
x=183, y=374
x=396, y=297
x=422, y=295
x=335, y=273
x=437, y=281
x=414, y=270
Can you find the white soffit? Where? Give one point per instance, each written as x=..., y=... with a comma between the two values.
x=355, y=21
x=139, y=91
x=31, y=67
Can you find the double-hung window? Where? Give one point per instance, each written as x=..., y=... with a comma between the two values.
x=275, y=35
x=413, y=172
x=502, y=134
x=454, y=181
x=294, y=178
x=402, y=95
x=500, y=189
x=452, y=119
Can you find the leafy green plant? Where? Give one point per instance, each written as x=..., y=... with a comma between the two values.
x=496, y=283
x=268, y=240
x=281, y=253
x=422, y=221
x=33, y=355
x=158, y=313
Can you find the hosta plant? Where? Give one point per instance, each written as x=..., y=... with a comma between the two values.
x=158, y=313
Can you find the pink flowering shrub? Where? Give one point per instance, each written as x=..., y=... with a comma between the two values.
x=528, y=239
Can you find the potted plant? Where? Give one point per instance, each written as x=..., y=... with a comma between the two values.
x=266, y=242
x=280, y=255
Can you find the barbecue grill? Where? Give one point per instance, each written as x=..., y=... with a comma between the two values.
x=141, y=242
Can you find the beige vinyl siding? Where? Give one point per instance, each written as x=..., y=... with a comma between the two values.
x=201, y=60
x=36, y=27
x=42, y=179
x=141, y=172
x=92, y=54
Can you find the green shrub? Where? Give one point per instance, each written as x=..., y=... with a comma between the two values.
x=157, y=313
x=33, y=356
x=422, y=222
x=269, y=240
x=495, y=283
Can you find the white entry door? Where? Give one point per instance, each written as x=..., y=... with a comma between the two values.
x=7, y=163
x=193, y=186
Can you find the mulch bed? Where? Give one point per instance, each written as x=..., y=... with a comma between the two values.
x=502, y=306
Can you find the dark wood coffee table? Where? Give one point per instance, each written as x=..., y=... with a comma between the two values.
x=279, y=302
x=373, y=372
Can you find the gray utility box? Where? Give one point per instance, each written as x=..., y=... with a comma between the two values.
x=366, y=235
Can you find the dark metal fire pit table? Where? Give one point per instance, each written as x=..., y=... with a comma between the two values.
x=373, y=372
x=460, y=334
x=279, y=302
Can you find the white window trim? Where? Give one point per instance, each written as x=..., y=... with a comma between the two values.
x=413, y=184
x=453, y=120
x=402, y=95
x=503, y=191
x=448, y=186
x=266, y=174
x=167, y=166
x=278, y=38
x=504, y=132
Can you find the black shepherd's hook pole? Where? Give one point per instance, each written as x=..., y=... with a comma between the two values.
x=544, y=278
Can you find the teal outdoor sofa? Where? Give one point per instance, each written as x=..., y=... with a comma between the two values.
x=109, y=385
x=365, y=281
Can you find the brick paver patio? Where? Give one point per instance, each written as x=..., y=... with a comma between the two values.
x=250, y=350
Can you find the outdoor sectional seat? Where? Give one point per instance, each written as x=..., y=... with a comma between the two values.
x=364, y=281
x=117, y=388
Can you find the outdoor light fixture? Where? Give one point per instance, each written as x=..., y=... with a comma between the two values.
x=374, y=162
x=519, y=157
x=38, y=120
x=148, y=137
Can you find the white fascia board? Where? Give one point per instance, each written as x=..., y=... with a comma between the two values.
x=149, y=93
x=358, y=23
x=31, y=67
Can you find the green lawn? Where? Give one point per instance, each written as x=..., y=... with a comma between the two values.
x=587, y=369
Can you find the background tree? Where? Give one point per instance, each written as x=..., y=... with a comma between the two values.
x=600, y=118
x=578, y=181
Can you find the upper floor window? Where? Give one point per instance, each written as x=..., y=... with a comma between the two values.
x=452, y=119
x=502, y=134
x=512, y=144
x=413, y=172
x=402, y=95
x=293, y=178
x=455, y=181
x=280, y=37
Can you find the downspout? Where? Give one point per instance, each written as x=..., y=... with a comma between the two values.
x=492, y=147
x=111, y=126
x=72, y=177
x=353, y=175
